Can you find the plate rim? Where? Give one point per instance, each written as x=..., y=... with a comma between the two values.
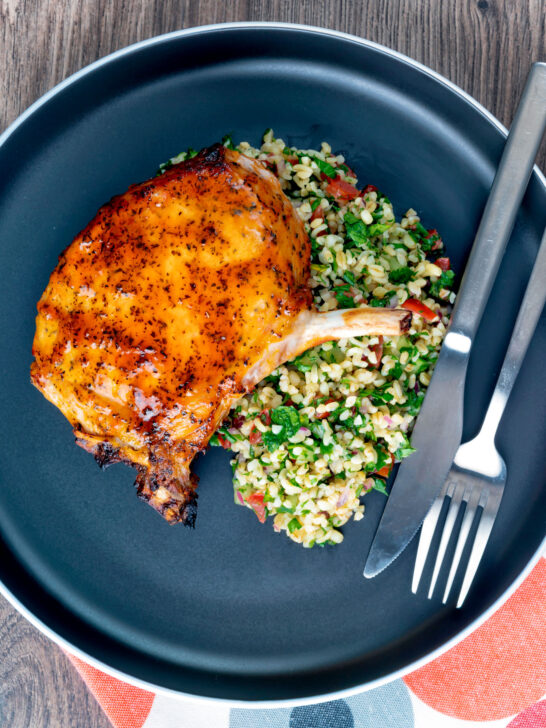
x=61, y=641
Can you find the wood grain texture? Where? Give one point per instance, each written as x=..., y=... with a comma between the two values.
x=484, y=46
x=39, y=688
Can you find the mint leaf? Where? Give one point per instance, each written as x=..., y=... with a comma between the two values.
x=380, y=486
x=288, y=418
x=326, y=168
x=294, y=525
x=355, y=229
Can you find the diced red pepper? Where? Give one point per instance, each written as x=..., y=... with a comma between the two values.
x=255, y=436
x=368, y=188
x=256, y=502
x=225, y=443
x=341, y=191
x=385, y=471
x=416, y=306
x=443, y=263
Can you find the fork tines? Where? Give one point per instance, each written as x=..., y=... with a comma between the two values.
x=475, y=496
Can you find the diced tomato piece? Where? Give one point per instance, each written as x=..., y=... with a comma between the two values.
x=439, y=243
x=256, y=502
x=385, y=471
x=443, y=263
x=318, y=214
x=223, y=442
x=378, y=351
x=368, y=188
x=349, y=171
x=416, y=306
x=238, y=422
x=255, y=436
x=342, y=191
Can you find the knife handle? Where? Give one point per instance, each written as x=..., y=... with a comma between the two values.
x=504, y=201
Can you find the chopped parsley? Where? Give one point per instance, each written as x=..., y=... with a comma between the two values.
x=381, y=302
x=379, y=228
x=401, y=275
x=227, y=141
x=288, y=419
x=444, y=281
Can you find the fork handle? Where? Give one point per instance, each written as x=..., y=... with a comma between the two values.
x=528, y=316
x=504, y=200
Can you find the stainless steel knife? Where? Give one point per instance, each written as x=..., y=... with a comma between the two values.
x=438, y=429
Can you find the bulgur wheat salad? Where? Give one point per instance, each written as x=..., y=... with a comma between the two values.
x=326, y=428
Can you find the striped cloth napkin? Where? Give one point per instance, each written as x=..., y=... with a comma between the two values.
x=496, y=678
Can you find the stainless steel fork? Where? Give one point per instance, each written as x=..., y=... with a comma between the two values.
x=478, y=474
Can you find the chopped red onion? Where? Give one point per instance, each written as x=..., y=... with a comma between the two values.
x=344, y=497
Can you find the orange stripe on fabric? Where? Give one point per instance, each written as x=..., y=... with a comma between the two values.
x=500, y=668
x=125, y=705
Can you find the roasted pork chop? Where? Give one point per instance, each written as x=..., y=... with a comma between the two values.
x=176, y=299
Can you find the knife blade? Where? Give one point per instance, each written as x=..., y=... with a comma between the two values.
x=438, y=429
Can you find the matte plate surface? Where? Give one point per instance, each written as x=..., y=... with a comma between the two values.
x=233, y=610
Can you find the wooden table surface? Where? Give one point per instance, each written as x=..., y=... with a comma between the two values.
x=484, y=46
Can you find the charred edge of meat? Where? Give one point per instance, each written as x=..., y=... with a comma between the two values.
x=405, y=323
x=104, y=453
x=173, y=500
x=208, y=158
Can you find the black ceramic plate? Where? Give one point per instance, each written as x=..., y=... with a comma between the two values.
x=233, y=610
